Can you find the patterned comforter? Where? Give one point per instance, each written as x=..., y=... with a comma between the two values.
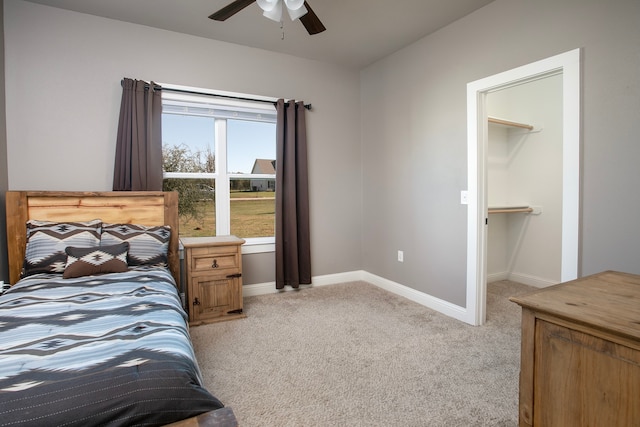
x=98, y=350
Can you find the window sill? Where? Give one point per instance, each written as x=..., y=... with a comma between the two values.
x=258, y=247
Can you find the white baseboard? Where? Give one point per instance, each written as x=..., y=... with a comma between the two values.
x=329, y=279
x=525, y=279
x=496, y=277
x=332, y=279
x=259, y=289
x=421, y=298
x=437, y=304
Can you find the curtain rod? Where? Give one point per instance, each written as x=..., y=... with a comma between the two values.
x=240, y=98
x=194, y=92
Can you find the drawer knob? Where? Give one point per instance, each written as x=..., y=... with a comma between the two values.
x=196, y=301
x=215, y=263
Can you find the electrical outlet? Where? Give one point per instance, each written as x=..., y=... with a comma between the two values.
x=400, y=256
x=464, y=197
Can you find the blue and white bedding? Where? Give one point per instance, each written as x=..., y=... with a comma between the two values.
x=112, y=349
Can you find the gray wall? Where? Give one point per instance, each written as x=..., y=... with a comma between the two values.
x=64, y=69
x=4, y=270
x=414, y=136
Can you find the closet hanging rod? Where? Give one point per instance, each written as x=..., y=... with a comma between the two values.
x=510, y=210
x=509, y=123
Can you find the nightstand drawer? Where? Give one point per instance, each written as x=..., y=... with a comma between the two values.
x=213, y=258
x=214, y=262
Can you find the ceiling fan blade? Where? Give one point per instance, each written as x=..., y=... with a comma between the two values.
x=311, y=21
x=229, y=10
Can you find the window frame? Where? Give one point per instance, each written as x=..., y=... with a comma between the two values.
x=221, y=111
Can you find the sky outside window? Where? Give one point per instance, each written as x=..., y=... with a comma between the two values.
x=246, y=140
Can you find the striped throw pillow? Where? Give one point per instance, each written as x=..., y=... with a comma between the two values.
x=148, y=245
x=47, y=240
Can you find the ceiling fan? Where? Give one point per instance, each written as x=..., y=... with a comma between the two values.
x=298, y=9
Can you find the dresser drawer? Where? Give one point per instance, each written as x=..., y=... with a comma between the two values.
x=213, y=258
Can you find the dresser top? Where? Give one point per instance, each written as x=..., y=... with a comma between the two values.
x=609, y=301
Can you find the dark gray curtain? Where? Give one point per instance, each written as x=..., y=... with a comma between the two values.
x=138, y=165
x=293, y=253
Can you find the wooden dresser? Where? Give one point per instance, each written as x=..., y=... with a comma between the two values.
x=580, y=357
x=214, y=278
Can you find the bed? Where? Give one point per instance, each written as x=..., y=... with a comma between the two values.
x=99, y=336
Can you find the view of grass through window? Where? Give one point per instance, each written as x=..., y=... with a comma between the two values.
x=252, y=215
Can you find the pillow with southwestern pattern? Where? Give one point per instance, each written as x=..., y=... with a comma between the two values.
x=96, y=260
x=46, y=241
x=147, y=245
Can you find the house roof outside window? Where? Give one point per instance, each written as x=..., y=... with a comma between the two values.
x=264, y=166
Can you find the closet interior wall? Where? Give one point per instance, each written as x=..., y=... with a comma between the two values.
x=525, y=169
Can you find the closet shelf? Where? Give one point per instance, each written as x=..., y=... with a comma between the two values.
x=503, y=122
x=511, y=209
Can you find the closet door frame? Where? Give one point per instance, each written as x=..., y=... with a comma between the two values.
x=567, y=64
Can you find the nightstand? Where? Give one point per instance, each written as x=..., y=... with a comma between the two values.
x=214, y=278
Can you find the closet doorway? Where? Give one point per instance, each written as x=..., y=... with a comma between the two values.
x=481, y=95
x=524, y=182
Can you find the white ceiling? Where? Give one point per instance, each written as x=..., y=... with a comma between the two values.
x=359, y=32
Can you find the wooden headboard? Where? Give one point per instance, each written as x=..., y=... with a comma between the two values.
x=131, y=207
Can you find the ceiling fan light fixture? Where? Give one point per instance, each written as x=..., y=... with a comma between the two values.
x=296, y=13
x=267, y=5
x=272, y=9
x=274, y=14
x=294, y=4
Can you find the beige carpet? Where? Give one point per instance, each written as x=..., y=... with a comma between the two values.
x=355, y=355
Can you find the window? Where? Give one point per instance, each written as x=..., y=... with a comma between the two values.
x=219, y=155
